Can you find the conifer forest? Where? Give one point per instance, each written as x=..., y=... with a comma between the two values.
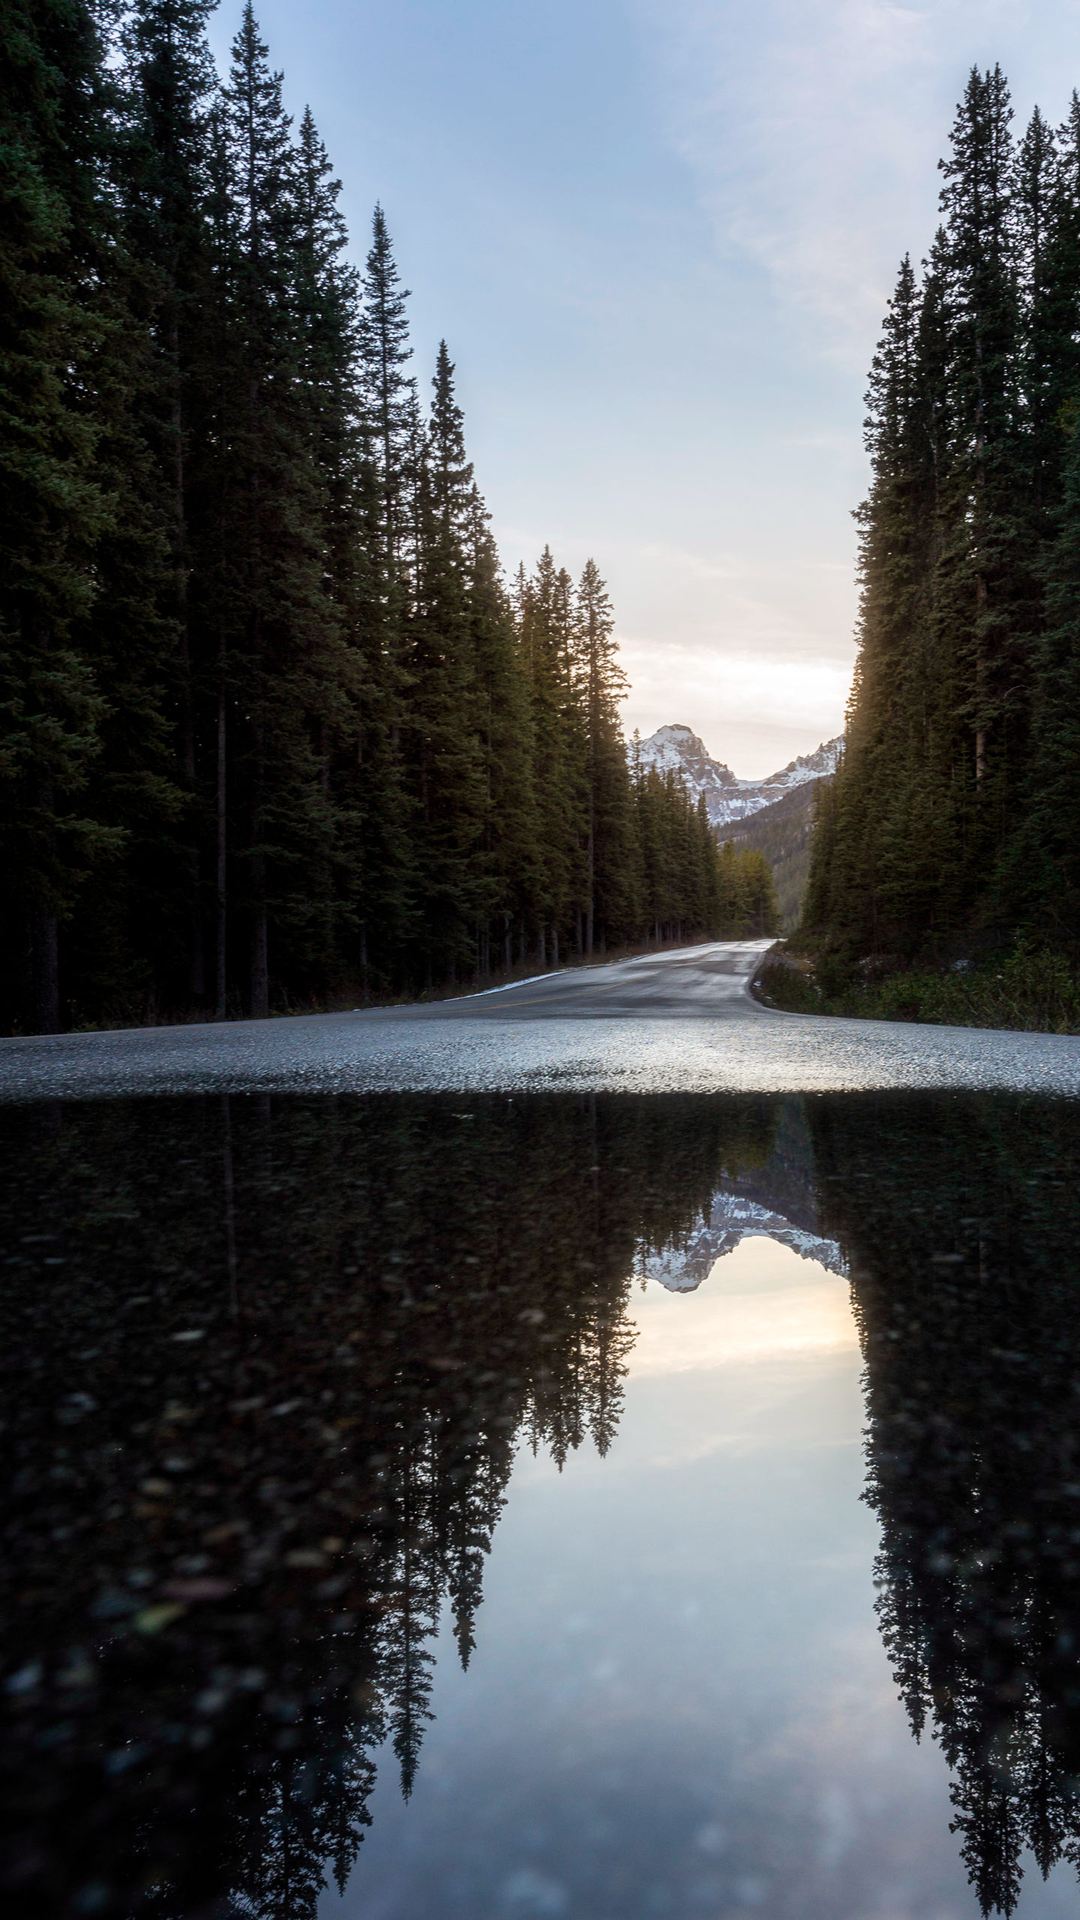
x=274, y=727
x=952, y=821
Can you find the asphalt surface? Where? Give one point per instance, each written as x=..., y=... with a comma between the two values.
x=672, y=1022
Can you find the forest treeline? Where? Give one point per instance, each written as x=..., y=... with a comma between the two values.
x=273, y=725
x=951, y=821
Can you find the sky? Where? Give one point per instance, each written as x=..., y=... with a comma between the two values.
x=658, y=237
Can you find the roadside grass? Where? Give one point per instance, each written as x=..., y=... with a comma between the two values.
x=1024, y=988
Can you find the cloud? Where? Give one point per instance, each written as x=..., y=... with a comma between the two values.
x=754, y=709
x=694, y=564
x=812, y=128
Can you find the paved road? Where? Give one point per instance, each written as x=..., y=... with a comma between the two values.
x=672, y=1022
x=695, y=983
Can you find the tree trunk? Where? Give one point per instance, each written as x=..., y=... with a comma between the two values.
x=197, y=955
x=980, y=672
x=221, y=943
x=46, y=941
x=590, y=908
x=260, y=972
x=45, y=937
x=187, y=754
x=260, y=960
x=260, y=967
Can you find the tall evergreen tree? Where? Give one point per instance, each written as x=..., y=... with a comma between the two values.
x=547, y=640
x=608, y=903
x=389, y=393
x=170, y=79
x=285, y=644
x=443, y=743
x=507, y=743
x=986, y=578
x=81, y=642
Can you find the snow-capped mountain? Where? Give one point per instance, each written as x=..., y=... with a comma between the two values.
x=733, y=1218
x=677, y=750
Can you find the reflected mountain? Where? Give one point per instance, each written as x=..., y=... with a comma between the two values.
x=267, y=1363
x=774, y=1198
x=731, y=1219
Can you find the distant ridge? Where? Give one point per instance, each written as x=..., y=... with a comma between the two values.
x=677, y=749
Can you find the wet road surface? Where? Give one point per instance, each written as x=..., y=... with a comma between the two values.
x=671, y=1022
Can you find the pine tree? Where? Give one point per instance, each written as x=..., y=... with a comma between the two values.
x=169, y=80
x=442, y=743
x=986, y=610
x=1048, y=884
x=505, y=733
x=387, y=417
x=285, y=646
x=881, y=873
x=263, y=197
x=548, y=642
x=81, y=567
x=327, y=300
x=608, y=902
x=389, y=394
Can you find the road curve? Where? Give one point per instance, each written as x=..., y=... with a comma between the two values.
x=664, y=1023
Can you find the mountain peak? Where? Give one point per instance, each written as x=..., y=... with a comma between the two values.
x=678, y=749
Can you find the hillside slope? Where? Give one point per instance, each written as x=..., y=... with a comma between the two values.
x=783, y=832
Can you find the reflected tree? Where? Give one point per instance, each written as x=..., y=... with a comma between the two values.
x=960, y=1220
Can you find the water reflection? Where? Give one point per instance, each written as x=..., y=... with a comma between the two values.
x=265, y=1369
x=267, y=1364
